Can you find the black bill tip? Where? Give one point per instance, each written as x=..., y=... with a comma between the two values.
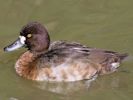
x=5, y=49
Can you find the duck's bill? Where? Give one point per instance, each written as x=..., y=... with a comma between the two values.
x=20, y=42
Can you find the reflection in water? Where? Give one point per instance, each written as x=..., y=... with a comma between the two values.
x=64, y=88
x=73, y=87
x=12, y=98
x=91, y=22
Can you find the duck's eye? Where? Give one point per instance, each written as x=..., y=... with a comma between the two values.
x=29, y=35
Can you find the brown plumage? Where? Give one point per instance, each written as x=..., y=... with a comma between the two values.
x=60, y=60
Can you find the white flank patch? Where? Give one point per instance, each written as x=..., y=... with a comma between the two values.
x=115, y=65
x=57, y=71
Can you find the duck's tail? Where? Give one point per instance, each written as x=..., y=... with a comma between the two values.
x=122, y=56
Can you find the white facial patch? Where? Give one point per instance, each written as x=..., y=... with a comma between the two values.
x=22, y=39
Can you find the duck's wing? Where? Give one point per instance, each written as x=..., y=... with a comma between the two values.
x=74, y=49
x=68, y=45
x=62, y=52
x=68, y=49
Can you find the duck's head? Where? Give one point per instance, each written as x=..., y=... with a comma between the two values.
x=33, y=36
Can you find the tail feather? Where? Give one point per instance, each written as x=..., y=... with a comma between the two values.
x=122, y=56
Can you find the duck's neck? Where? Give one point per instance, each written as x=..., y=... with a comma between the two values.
x=37, y=54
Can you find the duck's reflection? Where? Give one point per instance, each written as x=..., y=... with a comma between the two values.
x=86, y=85
x=64, y=88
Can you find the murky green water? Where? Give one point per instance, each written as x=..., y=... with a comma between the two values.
x=96, y=23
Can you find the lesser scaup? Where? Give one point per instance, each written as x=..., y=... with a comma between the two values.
x=60, y=60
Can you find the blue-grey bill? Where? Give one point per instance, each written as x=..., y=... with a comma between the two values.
x=14, y=46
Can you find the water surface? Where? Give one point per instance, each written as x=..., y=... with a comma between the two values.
x=96, y=23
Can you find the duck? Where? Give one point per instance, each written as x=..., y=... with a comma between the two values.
x=60, y=61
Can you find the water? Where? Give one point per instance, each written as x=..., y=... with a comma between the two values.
x=96, y=23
